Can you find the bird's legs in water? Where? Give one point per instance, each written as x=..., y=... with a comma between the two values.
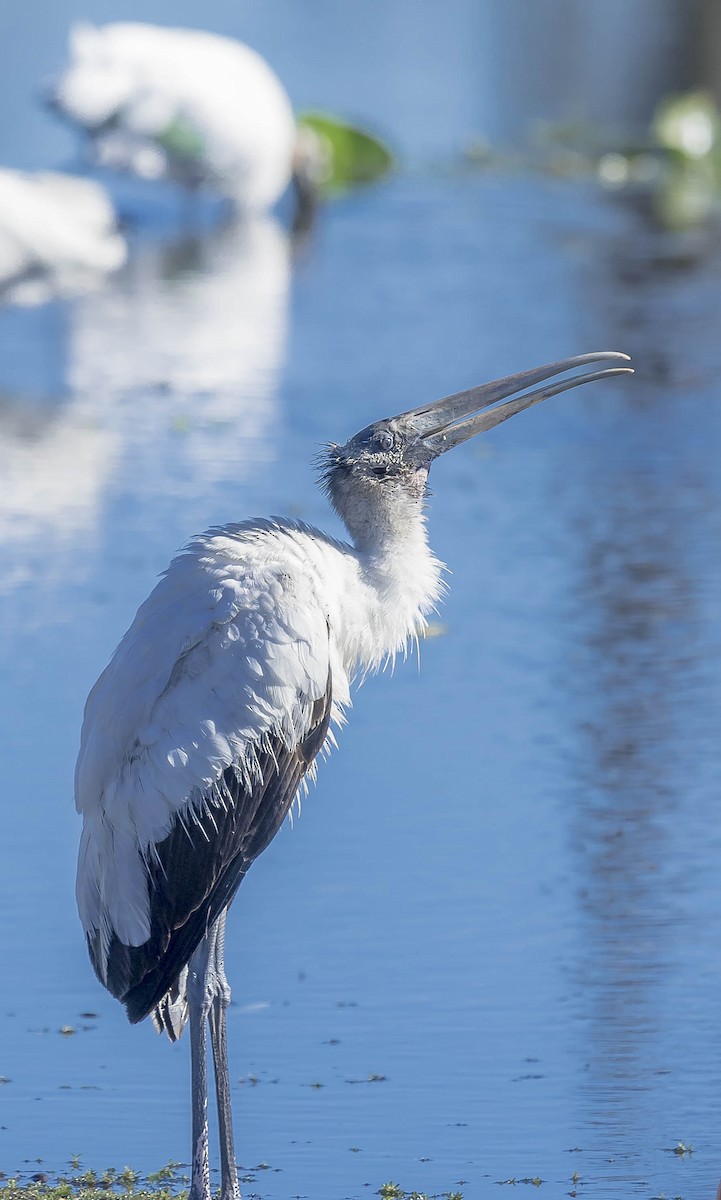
x=208, y=999
x=229, y=1189
x=198, y=1007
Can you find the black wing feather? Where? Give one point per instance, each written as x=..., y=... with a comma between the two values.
x=199, y=866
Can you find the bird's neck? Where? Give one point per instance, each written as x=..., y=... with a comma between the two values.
x=400, y=581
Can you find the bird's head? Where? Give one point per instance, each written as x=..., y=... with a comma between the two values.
x=377, y=480
x=96, y=85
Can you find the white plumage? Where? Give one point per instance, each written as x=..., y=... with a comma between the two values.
x=235, y=642
x=58, y=234
x=180, y=104
x=210, y=715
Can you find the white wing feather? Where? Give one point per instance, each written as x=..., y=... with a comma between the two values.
x=231, y=645
x=235, y=643
x=147, y=78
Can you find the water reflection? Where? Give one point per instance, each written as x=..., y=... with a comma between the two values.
x=52, y=469
x=657, y=291
x=58, y=236
x=638, y=647
x=641, y=730
x=170, y=390
x=183, y=354
x=643, y=708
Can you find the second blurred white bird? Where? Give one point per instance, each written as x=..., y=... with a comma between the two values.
x=181, y=104
x=57, y=235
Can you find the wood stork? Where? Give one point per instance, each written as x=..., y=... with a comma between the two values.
x=185, y=105
x=57, y=235
x=212, y=712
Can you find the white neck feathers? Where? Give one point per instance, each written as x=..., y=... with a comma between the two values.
x=395, y=581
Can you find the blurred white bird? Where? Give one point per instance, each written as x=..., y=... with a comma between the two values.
x=58, y=235
x=185, y=105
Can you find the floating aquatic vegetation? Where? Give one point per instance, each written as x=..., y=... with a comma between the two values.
x=687, y=125
x=681, y=1149
x=392, y=1191
x=169, y=1183
x=679, y=165
x=351, y=155
x=675, y=165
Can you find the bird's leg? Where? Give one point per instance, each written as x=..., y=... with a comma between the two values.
x=198, y=1008
x=229, y=1189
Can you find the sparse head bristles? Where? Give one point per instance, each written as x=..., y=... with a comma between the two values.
x=325, y=462
x=328, y=463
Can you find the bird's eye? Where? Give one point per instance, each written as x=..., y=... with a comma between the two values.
x=385, y=440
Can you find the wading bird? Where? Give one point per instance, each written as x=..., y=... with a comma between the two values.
x=219, y=698
x=58, y=235
x=184, y=105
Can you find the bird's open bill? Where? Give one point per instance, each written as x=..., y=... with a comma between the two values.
x=441, y=425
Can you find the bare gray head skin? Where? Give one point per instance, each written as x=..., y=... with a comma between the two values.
x=377, y=480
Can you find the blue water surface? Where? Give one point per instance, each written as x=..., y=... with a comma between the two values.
x=488, y=948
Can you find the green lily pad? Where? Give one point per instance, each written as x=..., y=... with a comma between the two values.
x=352, y=155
